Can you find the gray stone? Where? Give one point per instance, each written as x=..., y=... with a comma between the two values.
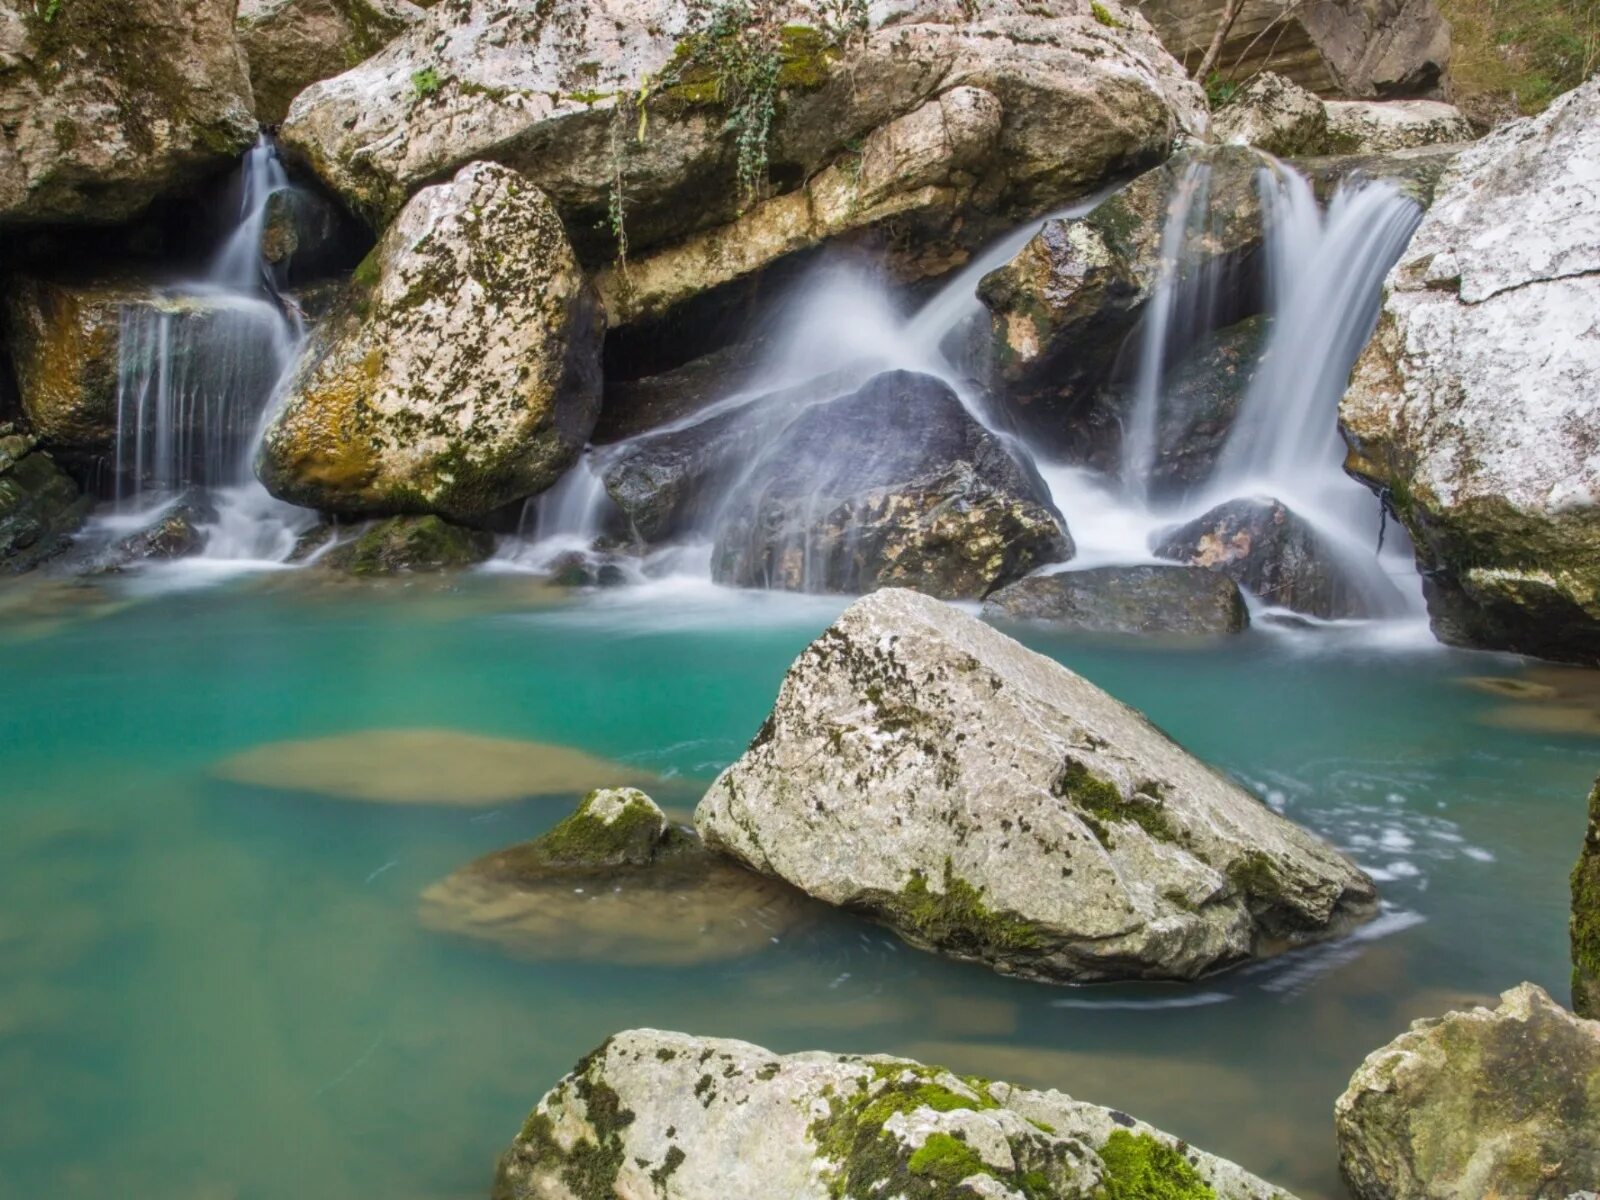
x=1274, y=115
x=291, y=44
x=1181, y=601
x=40, y=506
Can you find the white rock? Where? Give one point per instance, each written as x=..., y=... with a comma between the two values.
x=987, y=802
x=1377, y=127
x=1274, y=115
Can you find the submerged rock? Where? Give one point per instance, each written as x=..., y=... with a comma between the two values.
x=1274, y=115
x=1473, y=407
x=108, y=104
x=986, y=802
x=291, y=44
x=1186, y=601
x=1269, y=551
x=461, y=371
x=926, y=497
x=614, y=882
x=1501, y=1102
x=1586, y=918
x=40, y=506
x=401, y=545
x=652, y=1114
x=424, y=766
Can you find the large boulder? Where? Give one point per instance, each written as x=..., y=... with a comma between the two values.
x=672, y=483
x=460, y=373
x=108, y=104
x=1374, y=127
x=1333, y=47
x=1162, y=601
x=1488, y=1102
x=636, y=100
x=1270, y=551
x=1274, y=115
x=1062, y=308
x=1472, y=409
x=291, y=44
x=1586, y=918
x=40, y=505
x=986, y=802
x=926, y=498
x=651, y=1115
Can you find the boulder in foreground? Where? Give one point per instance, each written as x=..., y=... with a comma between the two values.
x=1501, y=1102
x=651, y=1115
x=988, y=803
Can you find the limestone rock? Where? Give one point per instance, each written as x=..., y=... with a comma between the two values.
x=988, y=803
x=1371, y=127
x=401, y=545
x=1488, y=1102
x=1586, y=918
x=1472, y=408
x=291, y=44
x=1270, y=551
x=1274, y=115
x=926, y=498
x=108, y=104
x=1182, y=601
x=40, y=505
x=460, y=373
x=652, y=1114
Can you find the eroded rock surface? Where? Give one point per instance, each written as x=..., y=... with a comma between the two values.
x=1370, y=127
x=1175, y=601
x=653, y=1114
x=986, y=802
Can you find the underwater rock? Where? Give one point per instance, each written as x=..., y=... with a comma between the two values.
x=1487, y=1102
x=1586, y=918
x=1183, y=601
x=401, y=545
x=40, y=506
x=461, y=371
x=614, y=882
x=424, y=766
x=1472, y=409
x=1069, y=100
x=1062, y=308
x=652, y=1114
x=926, y=497
x=108, y=104
x=1270, y=552
x=1274, y=115
x=291, y=44
x=985, y=802
x=1373, y=127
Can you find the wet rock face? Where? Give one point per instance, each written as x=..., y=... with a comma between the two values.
x=1586, y=918
x=291, y=44
x=1201, y=395
x=672, y=483
x=1269, y=551
x=177, y=533
x=401, y=545
x=1181, y=601
x=40, y=506
x=653, y=1114
x=1473, y=407
x=925, y=498
x=985, y=802
x=461, y=370
x=108, y=104
x=1497, y=1102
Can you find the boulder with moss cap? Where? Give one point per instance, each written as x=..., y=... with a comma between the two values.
x=460, y=372
x=1487, y=1102
x=652, y=1114
x=986, y=802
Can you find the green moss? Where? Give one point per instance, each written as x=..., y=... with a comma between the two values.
x=1138, y=1167
x=1101, y=803
x=1254, y=875
x=369, y=270
x=402, y=544
x=1586, y=919
x=945, y=1159
x=585, y=839
x=956, y=918
x=674, y=1159
x=1103, y=15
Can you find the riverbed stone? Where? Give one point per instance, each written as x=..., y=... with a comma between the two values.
x=652, y=1114
x=986, y=802
x=291, y=44
x=1161, y=601
x=405, y=545
x=460, y=372
x=1486, y=1102
x=926, y=498
x=40, y=506
x=109, y=104
x=1274, y=115
x=1472, y=409
x=1586, y=918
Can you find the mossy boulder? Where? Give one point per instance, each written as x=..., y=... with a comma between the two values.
x=1586, y=918
x=1163, y=601
x=40, y=506
x=986, y=802
x=400, y=545
x=1487, y=1102
x=291, y=44
x=109, y=104
x=459, y=373
x=1273, y=114
x=652, y=1114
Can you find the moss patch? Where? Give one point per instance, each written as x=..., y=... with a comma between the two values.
x=956, y=919
x=586, y=839
x=1586, y=919
x=1100, y=803
x=945, y=1159
x=1138, y=1167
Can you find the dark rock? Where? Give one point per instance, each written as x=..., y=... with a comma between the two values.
x=631, y=407
x=667, y=484
x=1200, y=398
x=1586, y=918
x=177, y=533
x=1267, y=550
x=40, y=506
x=1188, y=601
x=893, y=485
x=402, y=544
x=1415, y=171
x=307, y=237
